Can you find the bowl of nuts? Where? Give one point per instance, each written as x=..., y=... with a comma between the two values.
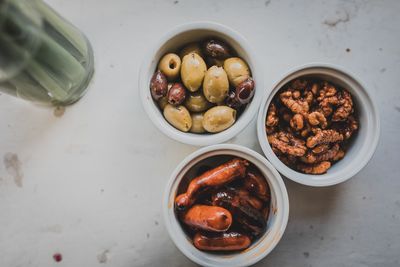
x=199, y=83
x=318, y=126
x=225, y=205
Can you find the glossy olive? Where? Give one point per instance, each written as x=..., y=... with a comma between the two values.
x=192, y=71
x=219, y=118
x=158, y=85
x=245, y=91
x=197, y=102
x=170, y=65
x=237, y=70
x=197, y=123
x=162, y=102
x=176, y=94
x=179, y=117
x=215, y=85
x=191, y=48
x=216, y=49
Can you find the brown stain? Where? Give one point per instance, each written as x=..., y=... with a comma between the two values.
x=59, y=112
x=13, y=166
x=103, y=256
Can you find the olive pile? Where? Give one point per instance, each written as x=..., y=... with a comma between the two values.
x=204, y=88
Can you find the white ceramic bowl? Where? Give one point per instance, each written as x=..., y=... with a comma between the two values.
x=172, y=41
x=277, y=220
x=363, y=145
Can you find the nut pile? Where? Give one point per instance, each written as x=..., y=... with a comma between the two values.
x=309, y=124
x=225, y=208
x=203, y=88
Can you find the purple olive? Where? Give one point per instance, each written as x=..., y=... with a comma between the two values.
x=216, y=49
x=176, y=94
x=158, y=85
x=245, y=91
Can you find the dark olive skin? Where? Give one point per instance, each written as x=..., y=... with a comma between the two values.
x=216, y=49
x=158, y=85
x=176, y=94
x=232, y=101
x=245, y=91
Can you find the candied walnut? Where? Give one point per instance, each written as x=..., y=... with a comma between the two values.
x=345, y=107
x=287, y=144
x=330, y=154
x=327, y=98
x=272, y=117
x=297, y=122
x=339, y=155
x=318, y=168
x=295, y=105
x=309, y=97
x=299, y=84
x=317, y=118
x=320, y=149
x=315, y=88
x=324, y=137
x=270, y=129
x=327, y=90
x=296, y=94
x=346, y=128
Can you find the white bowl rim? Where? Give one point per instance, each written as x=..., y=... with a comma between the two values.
x=276, y=177
x=198, y=139
x=299, y=177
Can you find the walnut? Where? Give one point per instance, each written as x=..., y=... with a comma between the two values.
x=287, y=144
x=297, y=122
x=324, y=137
x=320, y=148
x=346, y=128
x=295, y=105
x=318, y=168
x=339, y=155
x=345, y=107
x=272, y=117
x=317, y=118
x=330, y=154
x=299, y=84
x=308, y=124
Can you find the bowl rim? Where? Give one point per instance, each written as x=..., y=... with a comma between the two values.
x=306, y=179
x=170, y=220
x=198, y=139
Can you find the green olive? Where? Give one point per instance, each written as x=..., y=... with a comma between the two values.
x=215, y=85
x=190, y=48
x=219, y=118
x=196, y=102
x=237, y=70
x=170, y=65
x=192, y=71
x=197, y=123
x=179, y=117
x=162, y=102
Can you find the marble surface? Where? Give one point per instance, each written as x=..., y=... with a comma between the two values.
x=87, y=182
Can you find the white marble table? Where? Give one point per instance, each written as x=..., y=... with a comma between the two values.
x=88, y=183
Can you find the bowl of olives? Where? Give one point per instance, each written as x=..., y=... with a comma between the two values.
x=200, y=84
